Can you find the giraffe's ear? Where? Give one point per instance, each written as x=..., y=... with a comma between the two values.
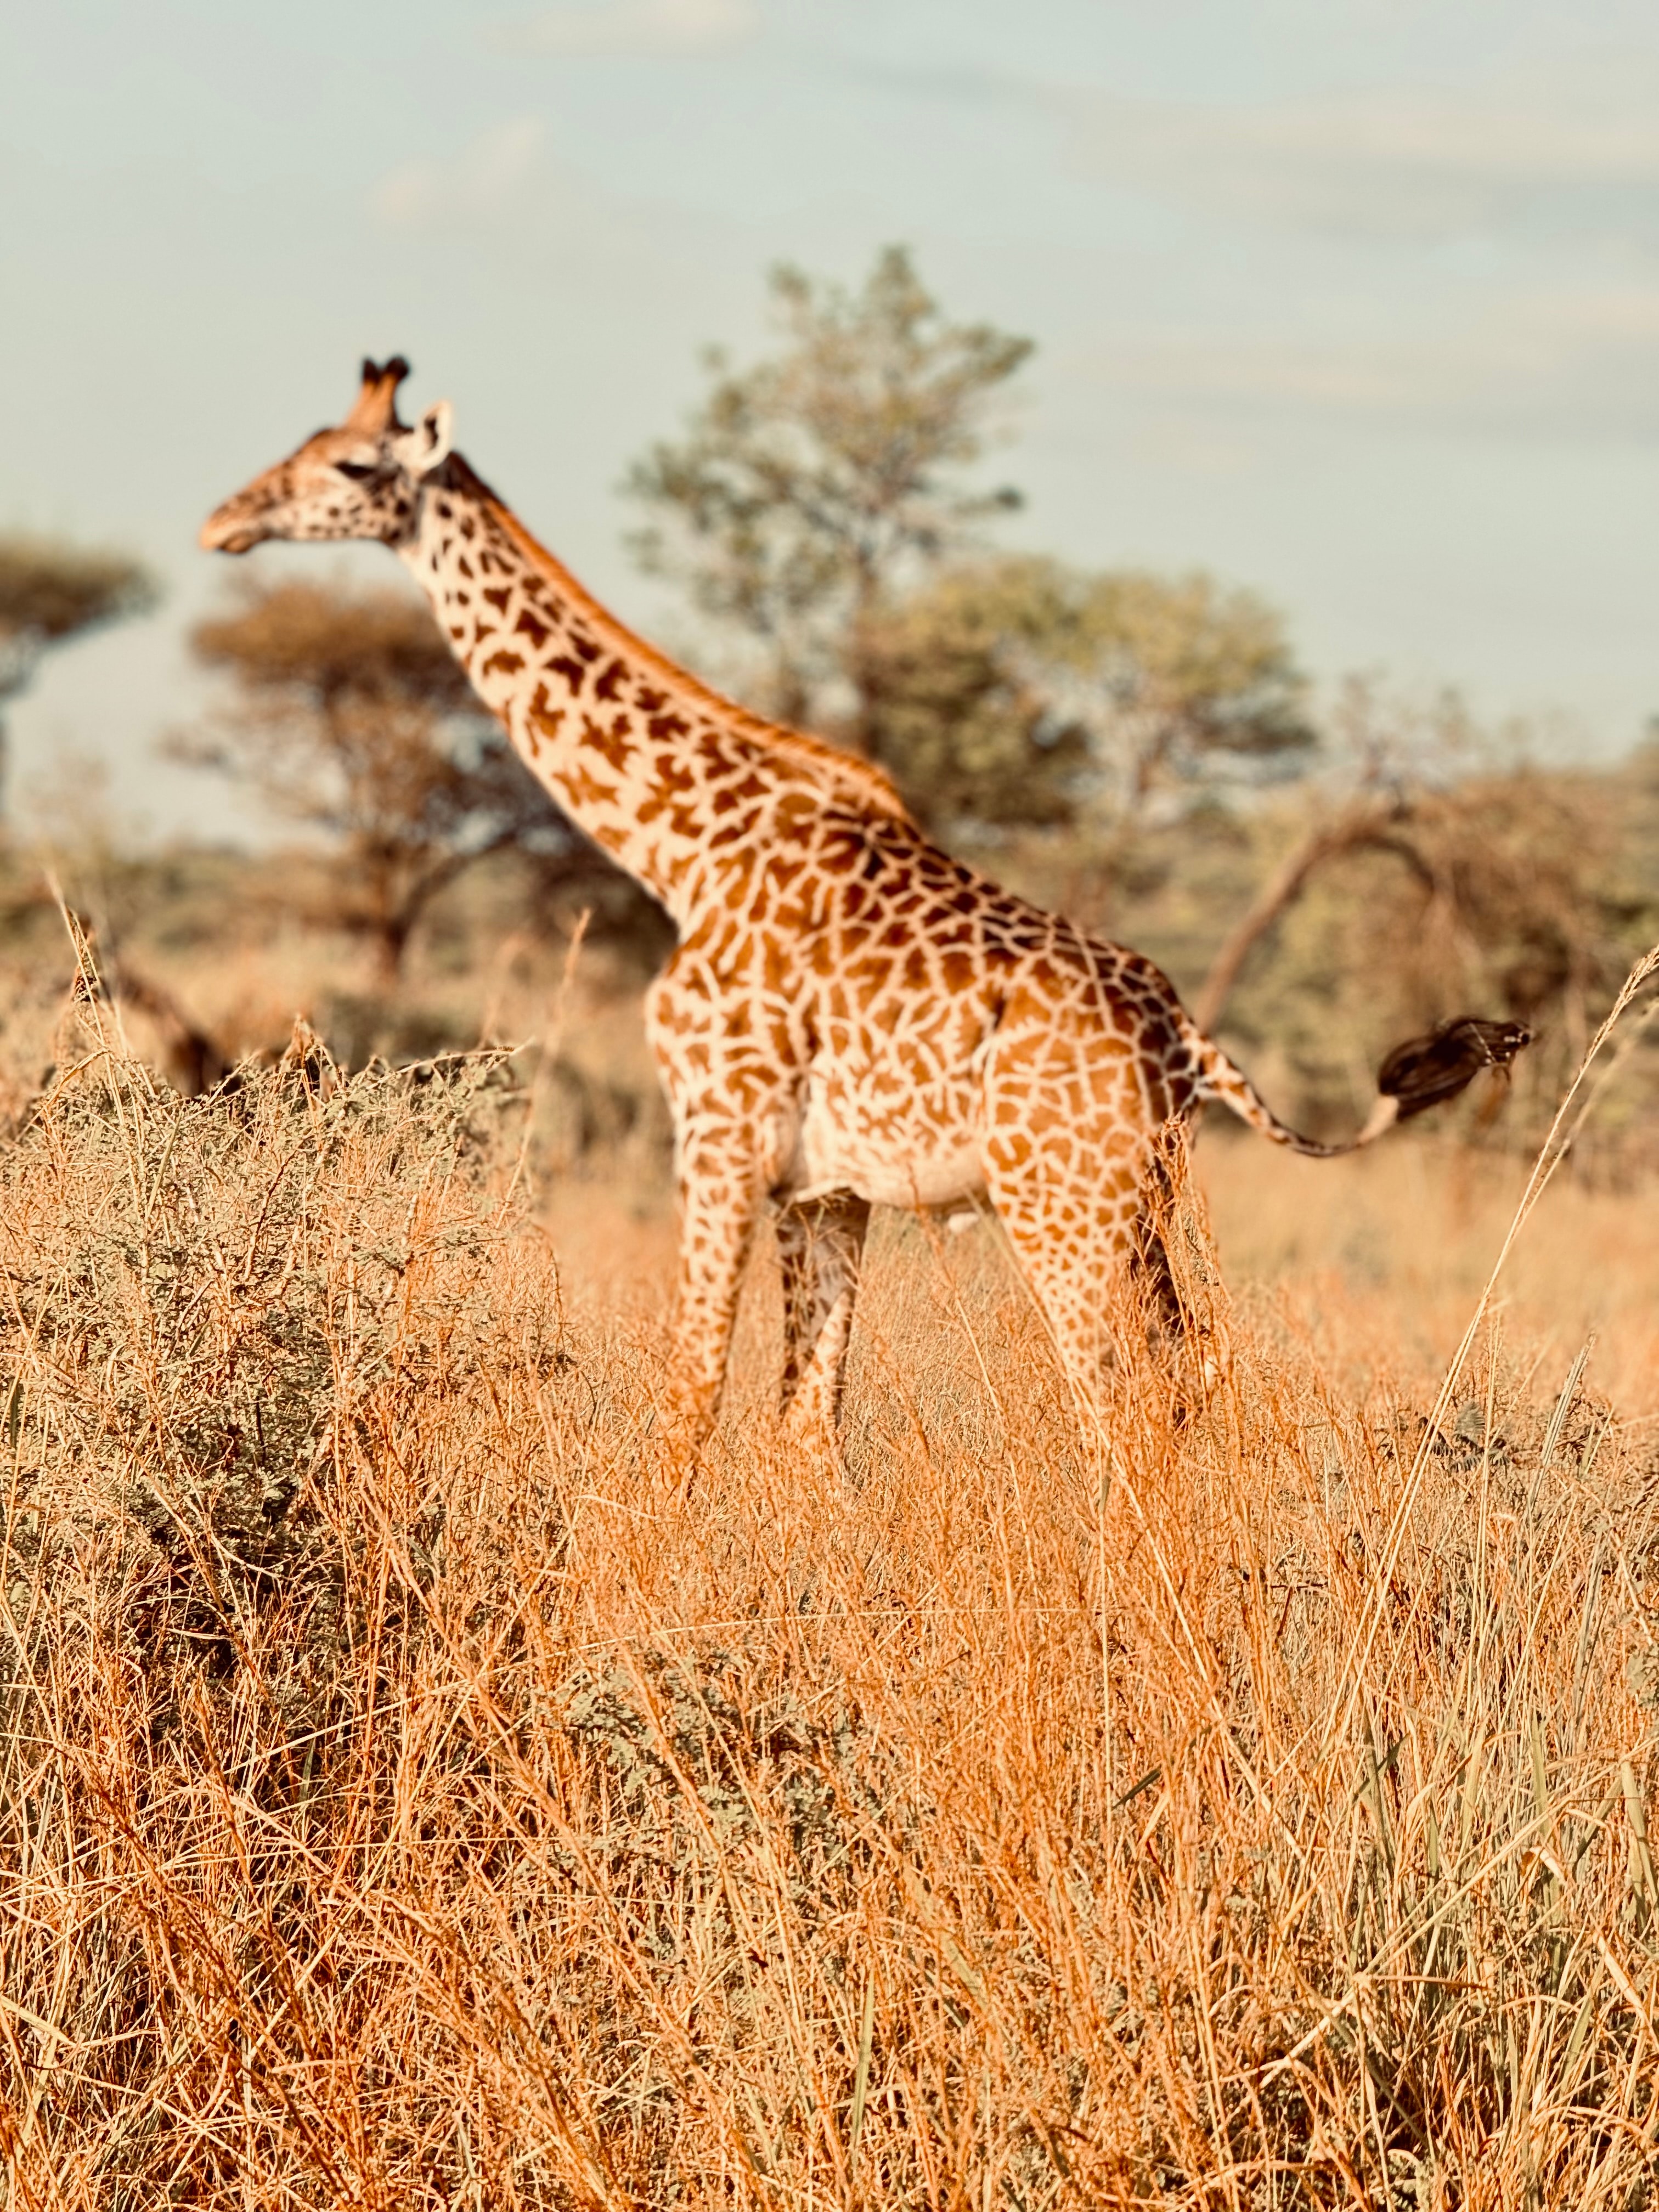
x=427, y=446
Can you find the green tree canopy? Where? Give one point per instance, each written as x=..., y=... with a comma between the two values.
x=1176, y=678
x=1023, y=691
x=812, y=489
x=961, y=711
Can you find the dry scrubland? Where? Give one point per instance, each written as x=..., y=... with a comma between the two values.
x=416, y=1791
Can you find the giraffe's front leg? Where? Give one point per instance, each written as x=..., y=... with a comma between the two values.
x=820, y=1245
x=721, y=1192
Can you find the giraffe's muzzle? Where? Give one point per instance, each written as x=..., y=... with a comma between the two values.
x=230, y=529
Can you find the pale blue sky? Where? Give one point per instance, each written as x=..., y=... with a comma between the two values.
x=1353, y=300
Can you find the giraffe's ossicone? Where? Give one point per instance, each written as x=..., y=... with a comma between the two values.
x=851, y=1016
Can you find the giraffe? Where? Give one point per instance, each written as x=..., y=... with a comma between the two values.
x=851, y=1018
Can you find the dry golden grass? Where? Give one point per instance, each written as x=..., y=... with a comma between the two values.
x=417, y=1790
x=1382, y=1256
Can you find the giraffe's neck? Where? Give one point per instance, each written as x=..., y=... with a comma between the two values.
x=664, y=774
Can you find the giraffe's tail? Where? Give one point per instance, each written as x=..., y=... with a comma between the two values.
x=1422, y=1072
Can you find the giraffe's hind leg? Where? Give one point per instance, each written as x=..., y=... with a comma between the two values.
x=1177, y=1339
x=1175, y=1334
x=1086, y=1222
x=1073, y=1235
x=820, y=1246
x=1079, y=1282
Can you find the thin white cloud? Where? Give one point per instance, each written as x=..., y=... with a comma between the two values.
x=483, y=178
x=1412, y=164
x=632, y=27
x=1573, y=362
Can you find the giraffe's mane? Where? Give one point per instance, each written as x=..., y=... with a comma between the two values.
x=823, y=762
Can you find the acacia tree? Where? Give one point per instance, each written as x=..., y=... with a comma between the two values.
x=823, y=507
x=958, y=707
x=813, y=489
x=347, y=711
x=49, y=592
x=1023, y=691
x=1175, y=679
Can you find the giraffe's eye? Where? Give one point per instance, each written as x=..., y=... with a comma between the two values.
x=356, y=470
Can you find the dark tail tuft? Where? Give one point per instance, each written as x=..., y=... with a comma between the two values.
x=1426, y=1070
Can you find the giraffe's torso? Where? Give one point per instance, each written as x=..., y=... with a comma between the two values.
x=884, y=1018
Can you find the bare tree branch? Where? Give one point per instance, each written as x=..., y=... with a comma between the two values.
x=1372, y=825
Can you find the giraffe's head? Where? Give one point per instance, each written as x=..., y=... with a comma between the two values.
x=362, y=480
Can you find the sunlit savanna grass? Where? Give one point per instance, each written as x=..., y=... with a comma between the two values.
x=424, y=1784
